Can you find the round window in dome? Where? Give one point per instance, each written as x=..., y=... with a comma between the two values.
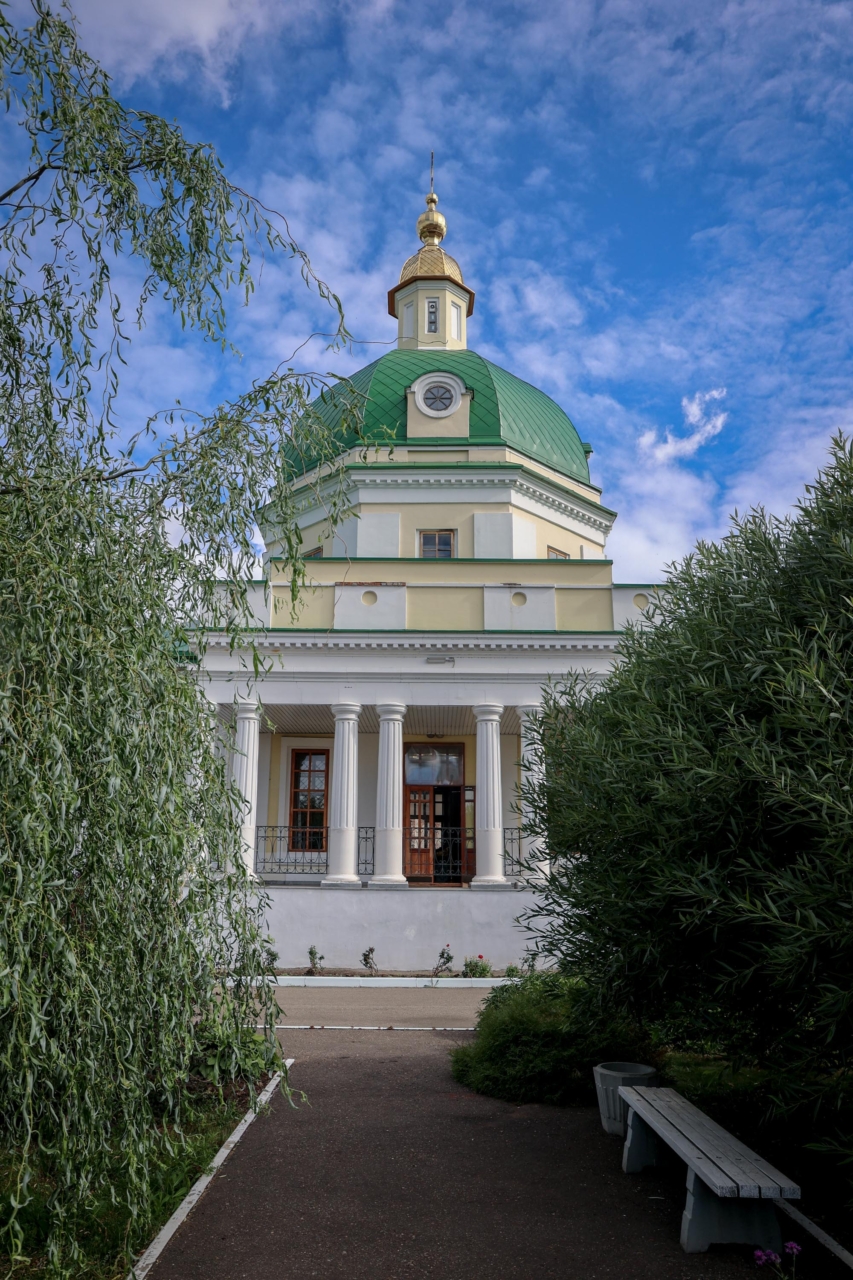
x=438, y=397
x=438, y=394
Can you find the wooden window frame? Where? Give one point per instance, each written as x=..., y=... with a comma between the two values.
x=316, y=554
x=554, y=553
x=436, y=532
x=291, y=810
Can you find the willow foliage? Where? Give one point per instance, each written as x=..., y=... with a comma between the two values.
x=700, y=801
x=130, y=934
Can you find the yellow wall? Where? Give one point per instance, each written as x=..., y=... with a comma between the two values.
x=476, y=573
x=581, y=610
x=275, y=780
x=444, y=609
x=315, y=608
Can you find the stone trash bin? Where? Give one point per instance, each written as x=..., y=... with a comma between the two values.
x=608, y=1077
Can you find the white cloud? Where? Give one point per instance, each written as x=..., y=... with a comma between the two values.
x=705, y=427
x=179, y=37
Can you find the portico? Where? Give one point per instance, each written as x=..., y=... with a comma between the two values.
x=406, y=774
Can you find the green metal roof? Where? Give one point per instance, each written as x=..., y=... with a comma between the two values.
x=504, y=409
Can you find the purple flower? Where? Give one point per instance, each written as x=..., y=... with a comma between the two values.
x=793, y=1247
x=760, y=1257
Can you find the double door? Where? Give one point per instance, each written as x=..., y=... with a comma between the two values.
x=439, y=843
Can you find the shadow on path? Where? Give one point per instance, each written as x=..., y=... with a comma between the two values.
x=395, y=1171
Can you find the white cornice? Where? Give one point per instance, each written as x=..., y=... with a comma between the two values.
x=466, y=642
x=421, y=478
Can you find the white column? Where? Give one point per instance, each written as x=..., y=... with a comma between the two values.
x=244, y=771
x=488, y=800
x=388, y=846
x=531, y=772
x=343, y=805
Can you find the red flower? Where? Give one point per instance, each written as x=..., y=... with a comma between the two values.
x=479, y=957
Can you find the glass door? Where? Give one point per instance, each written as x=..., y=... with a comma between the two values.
x=438, y=847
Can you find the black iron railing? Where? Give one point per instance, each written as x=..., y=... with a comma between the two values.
x=366, y=858
x=291, y=851
x=512, y=852
x=438, y=853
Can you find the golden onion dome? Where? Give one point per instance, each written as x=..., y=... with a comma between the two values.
x=431, y=260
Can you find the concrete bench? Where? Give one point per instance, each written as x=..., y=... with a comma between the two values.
x=730, y=1189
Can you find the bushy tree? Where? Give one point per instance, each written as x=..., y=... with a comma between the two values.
x=130, y=932
x=699, y=800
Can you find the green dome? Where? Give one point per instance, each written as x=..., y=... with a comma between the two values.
x=504, y=409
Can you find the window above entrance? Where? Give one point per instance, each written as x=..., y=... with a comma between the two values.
x=430, y=766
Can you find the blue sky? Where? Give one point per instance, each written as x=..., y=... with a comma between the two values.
x=652, y=202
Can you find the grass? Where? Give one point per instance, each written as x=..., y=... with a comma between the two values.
x=210, y=1118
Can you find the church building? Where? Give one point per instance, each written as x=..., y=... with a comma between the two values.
x=381, y=751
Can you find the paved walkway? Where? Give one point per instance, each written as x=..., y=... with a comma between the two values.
x=395, y=1171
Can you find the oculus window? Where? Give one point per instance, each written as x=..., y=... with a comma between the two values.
x=438, y=397
x=437, y=544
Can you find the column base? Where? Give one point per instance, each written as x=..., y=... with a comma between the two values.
x=388, y=882
x=341, y=882
x=487, y=882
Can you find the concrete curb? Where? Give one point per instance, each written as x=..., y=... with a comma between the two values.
x=191, y=1199
x=442, y=983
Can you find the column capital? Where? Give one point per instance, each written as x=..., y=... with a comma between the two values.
x=391, y=710
x=487, y=711
x=529, y=708
x=346, y=710
x=247, y=710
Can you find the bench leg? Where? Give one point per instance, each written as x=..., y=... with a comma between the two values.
x=711, y=1219
x=640, y=1148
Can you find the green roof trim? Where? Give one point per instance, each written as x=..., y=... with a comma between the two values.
x=503, y=409
x=570, y=563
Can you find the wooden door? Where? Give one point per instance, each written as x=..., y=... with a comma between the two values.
x=420, y=822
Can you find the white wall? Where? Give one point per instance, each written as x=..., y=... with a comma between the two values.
x=408, y=927
x=628, y=604
x=537, y=612
x=371, y=534
x=384, y=608
x=503, y=536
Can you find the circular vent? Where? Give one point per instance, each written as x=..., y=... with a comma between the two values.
x=438, y=397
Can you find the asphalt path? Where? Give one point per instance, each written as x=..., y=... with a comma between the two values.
x=394, y=1171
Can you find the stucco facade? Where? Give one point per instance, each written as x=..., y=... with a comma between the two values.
x=382, y=747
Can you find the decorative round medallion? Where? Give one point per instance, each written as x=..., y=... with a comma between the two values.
x=438, y=397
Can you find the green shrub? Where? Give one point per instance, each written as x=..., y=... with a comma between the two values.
x=536, y=1042
x=698, y=804
x=476, y=967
